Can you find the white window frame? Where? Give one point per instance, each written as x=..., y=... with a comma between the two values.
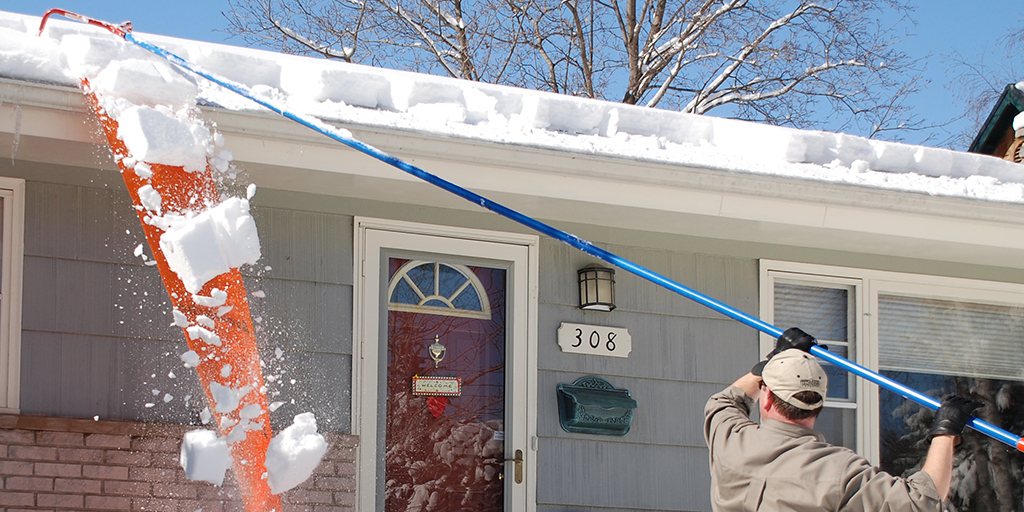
x=12, y=190
x=867, y=285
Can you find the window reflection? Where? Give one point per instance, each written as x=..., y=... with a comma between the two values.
x=986, y=473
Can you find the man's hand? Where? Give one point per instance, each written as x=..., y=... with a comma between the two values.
x=952, y=417
x=794, y=337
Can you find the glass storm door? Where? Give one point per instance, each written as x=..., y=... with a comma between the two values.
x=445, y=395
x=452, y=311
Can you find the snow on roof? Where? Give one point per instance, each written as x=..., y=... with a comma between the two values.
x=354, y=94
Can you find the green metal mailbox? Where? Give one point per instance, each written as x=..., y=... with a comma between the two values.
x=591, y=405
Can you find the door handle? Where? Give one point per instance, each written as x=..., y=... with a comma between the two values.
x=518, y=471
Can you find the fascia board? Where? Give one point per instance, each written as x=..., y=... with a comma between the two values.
x=571, y=187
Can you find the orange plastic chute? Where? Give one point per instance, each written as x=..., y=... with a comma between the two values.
x=182, y=191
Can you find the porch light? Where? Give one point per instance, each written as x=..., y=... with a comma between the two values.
x=597, y=287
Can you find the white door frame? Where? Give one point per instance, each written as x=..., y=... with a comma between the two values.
x=520, y=253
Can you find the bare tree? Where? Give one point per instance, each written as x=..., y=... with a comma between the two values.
x=786, y=62
x=978, y=85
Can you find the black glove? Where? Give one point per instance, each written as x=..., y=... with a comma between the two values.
x=952, y=417
x=794, y=337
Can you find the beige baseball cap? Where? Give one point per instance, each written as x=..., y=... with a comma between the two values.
x=792, y=371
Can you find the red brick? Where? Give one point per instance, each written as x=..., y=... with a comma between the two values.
x=78, y=485
x=205, y=506
x=165, y=460
x=152, y=474
x=60, y=439
x=57, y=469
x=79, y=455
x=127, y=458
x=296, y=507
x=105, y=472
x=108, y=502
x=17, y=499
x=61, y=501
x=10, y=467
x=126, y=488
x=347, y=499
x=17, y=437
x=175, y=491
x=154, y=505
x=29, y=483
x=157, y=444
x=301, y=496
x=3, y=450
x=329, y=508
x=341, y=453
x=335, y=483
x=345, y=469
x=32, y=453
x=208, y=492
x=108, y=441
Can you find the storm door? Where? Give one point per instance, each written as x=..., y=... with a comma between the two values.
x=444, y=443
x=444, y=367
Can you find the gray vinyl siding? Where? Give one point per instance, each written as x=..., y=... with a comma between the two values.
x=97, y=339
x=682, y=353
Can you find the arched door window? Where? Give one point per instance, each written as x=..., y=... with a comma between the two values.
x=438, y=289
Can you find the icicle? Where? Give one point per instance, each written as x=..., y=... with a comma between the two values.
x=17, y=132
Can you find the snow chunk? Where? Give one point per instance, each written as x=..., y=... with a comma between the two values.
x=146, y=82
x=226, y=398
x=179, y=318
x=216, y=298
x=294, y=454
x=155, y=135
x=190, y=358
x=196, y=332
x=150, y=198
x=204, y=456
x=212, y=243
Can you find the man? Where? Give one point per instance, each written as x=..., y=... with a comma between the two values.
x=784, y=465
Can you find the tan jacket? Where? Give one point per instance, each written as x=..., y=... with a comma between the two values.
x=778, y=466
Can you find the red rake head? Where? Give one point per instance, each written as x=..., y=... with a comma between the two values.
x=121, y=30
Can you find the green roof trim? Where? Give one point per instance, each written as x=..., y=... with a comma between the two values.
x=1010, y=103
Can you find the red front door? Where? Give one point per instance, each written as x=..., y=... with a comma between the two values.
x=445, y=453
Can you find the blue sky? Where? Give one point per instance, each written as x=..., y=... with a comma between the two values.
x=943, y=26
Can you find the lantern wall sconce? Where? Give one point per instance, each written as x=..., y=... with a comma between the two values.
x=597, y=287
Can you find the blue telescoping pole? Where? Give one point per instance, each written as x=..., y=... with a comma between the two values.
x=344, y=137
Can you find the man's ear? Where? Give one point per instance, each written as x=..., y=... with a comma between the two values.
x=769, y=400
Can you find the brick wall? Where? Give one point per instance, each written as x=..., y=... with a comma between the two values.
x=72, y=464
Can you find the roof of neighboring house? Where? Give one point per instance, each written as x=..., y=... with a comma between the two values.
x=994, y=132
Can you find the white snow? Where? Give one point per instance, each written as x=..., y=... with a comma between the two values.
x=204, y=456
x=226, y=398
x=211, y=243
x=190, y=358
x=294, y=454
x=151, y=199
x=196, y=332
x=146, y=83
x=158, y=136
x=358, y=95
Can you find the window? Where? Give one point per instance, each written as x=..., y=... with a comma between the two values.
x=12, y=223
x=438, y=289
x=937, y=335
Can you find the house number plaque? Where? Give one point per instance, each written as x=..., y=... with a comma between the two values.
x=596, y=340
